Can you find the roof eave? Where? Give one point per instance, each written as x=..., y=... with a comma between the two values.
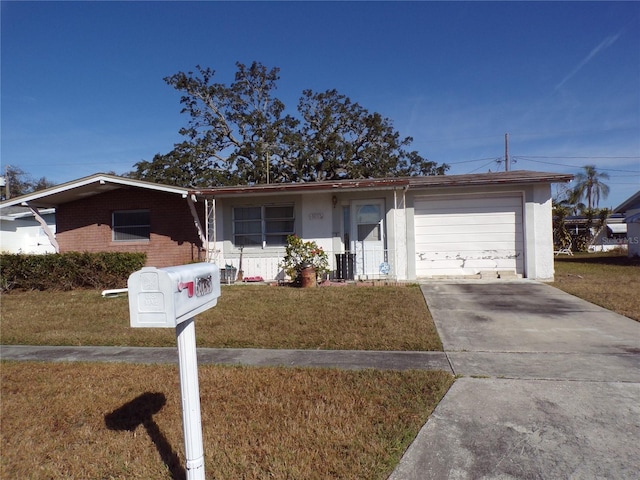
x=498, y=178
x=278, y=188
x=628, y=203
x=59, y=194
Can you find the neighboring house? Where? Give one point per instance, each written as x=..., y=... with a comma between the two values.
x=21, y=230
x=630, y=208
x=400, y=229
x=605, y=238
x=105, y=213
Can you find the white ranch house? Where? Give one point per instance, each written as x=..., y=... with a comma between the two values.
x=402, y=229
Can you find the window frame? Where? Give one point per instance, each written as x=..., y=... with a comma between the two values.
x=117, y=229
x=265, y=232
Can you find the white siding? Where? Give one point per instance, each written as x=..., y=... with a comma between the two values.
x=465, y=235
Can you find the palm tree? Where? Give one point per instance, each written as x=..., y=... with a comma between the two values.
x=589, y=185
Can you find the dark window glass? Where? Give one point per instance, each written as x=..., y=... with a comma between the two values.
x=266, y=225
x=131, y=226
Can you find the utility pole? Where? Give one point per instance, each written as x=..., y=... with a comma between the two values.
x=506, y=152
x=268, y=165
x=6, y=182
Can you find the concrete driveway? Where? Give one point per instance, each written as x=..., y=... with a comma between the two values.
x=550, y=387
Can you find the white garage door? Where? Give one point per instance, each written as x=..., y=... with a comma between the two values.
x=466, y=235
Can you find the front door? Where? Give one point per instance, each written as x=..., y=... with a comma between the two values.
x=367, y=238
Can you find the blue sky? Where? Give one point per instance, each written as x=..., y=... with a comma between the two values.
x=82, y=82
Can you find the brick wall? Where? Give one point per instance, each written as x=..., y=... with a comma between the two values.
x=85, y=226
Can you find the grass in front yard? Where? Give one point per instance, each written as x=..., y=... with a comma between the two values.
x=62, y=420
x=606, y=279
x=247, y=316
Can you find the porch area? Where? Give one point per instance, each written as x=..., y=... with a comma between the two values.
x=256, y=266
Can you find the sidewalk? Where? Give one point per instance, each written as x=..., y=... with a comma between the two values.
x=345, y=359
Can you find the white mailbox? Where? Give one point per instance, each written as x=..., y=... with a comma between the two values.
x=164, y=297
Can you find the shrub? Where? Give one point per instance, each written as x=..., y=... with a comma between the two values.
x=67, y=271
x=300, y=254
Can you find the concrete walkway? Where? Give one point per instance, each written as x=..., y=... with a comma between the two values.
x=551, y=387
x=550, y=384
x=345, y=359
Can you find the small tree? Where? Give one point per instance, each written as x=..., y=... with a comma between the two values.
x=561, y=236
x=18, y=182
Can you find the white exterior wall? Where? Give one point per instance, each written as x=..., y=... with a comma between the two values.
x=633, y=234
x=313, y=222
x=317, y=222
x=538, y=233
x=399, y=231
x=255, y=262
x=25, y=235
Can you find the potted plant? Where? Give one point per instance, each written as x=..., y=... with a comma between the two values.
x=303, y=260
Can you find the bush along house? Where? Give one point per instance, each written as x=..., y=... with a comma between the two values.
x=486, y=225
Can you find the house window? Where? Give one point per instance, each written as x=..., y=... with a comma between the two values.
x=131, y=226
x=267, y=225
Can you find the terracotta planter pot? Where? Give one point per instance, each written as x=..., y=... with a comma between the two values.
x=308, y=277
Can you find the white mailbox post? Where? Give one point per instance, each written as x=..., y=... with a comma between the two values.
x=171, y=297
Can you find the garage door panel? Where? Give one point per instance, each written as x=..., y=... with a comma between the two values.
x=447, y=265
x=467, y=235
x=477, y=231
x=457, y=236
x=477, y=205
x=474, y=225
x=471, y=220
x=478, y=248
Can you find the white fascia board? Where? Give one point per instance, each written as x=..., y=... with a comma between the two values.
x=44, y=211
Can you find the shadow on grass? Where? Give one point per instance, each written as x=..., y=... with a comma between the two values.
x=601, y=259
x=140, y=411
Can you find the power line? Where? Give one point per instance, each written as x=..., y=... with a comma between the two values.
x=590, y=157
x=495, y=160
x=529, y=159
x=471, y=161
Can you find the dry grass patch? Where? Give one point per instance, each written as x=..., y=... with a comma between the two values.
x=257, y=422
x=608, y=280
x=343, y=318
